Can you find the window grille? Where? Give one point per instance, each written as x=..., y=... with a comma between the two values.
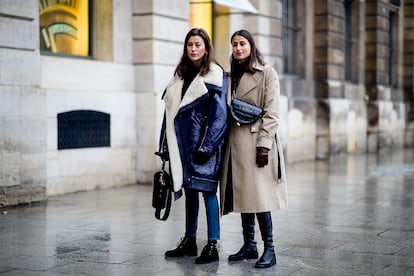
x=83, y=129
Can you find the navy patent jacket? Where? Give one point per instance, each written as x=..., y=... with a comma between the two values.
x=197, y=123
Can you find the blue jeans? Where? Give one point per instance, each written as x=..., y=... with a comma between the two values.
x=212, y=214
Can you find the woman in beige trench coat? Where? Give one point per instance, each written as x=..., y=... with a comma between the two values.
x=254, y=177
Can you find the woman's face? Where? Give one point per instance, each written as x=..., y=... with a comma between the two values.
x=241, y=47
x=196, y=49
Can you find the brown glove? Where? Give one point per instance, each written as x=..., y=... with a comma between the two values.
x=262, y=156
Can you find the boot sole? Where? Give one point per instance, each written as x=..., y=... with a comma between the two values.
x=265, y=265
x=248, y=257
x=178, y=256
x=207, y=262
x=242, y=259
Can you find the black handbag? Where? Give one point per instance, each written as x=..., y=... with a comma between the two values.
x=244, y=113
x=162, y=193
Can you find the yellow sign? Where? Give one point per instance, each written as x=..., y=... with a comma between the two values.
x=64, y=26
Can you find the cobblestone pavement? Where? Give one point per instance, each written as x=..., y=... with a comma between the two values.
x=351, y=215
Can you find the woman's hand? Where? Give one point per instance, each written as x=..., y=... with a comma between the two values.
x=262, y=156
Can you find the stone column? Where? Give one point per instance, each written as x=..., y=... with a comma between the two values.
x=408, y=72
x=23, y=120
x=374, y=69
x=385, y=107
x=329, y=74
x=158, y=29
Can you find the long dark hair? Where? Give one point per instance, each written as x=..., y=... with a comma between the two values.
x=185, y=63
x=255, y=55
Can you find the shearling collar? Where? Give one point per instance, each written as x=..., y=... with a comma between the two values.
x=215, y=76
x=196, y=89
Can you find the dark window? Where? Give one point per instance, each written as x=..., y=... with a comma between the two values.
x=395, y=2
x=83, y=129
x=392, y=46
x=289, y=30
x=348, y=39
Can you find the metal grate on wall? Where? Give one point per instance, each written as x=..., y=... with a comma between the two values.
x=83, y=129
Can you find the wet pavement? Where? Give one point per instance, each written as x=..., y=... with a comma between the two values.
x=352, y=215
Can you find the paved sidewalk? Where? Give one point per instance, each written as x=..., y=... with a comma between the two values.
x=351, y=215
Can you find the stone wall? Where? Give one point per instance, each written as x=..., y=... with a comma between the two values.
x=34, y=88
x=159, y=29
x=104, y=83
x=408, y=72
x=23, y=121
x=386, y=118
x=104, y=87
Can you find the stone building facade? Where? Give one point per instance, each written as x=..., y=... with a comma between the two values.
x=345, y=69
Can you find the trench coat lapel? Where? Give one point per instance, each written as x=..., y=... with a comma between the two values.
x=249, y=83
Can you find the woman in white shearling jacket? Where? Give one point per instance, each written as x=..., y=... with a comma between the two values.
x=195, y=126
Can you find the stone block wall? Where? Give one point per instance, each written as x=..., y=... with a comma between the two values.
x=23, y=124
x=19, y=194
x=408, y=72
x=299, y=89
x=159, y=29
x=34, y=88
x=104, y=87
x=386, y=107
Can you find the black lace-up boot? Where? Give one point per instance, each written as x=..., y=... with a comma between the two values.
x=209, y=253
x=268, y=258
x=249, y=248
x=186, y=247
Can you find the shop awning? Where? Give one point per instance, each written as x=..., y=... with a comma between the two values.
x=243, y=5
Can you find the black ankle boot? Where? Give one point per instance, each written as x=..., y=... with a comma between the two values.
x=249, y=248
x=268, y=258
x=187, y=247
x=245, y=253
x=209, y=253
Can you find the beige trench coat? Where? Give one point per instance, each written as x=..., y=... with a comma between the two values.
x=255, y=189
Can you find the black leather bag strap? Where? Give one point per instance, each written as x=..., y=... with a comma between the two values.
x=169, y=201
x=167, y=209
x=279, y=166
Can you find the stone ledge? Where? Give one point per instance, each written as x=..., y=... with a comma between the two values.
x=18, y=194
